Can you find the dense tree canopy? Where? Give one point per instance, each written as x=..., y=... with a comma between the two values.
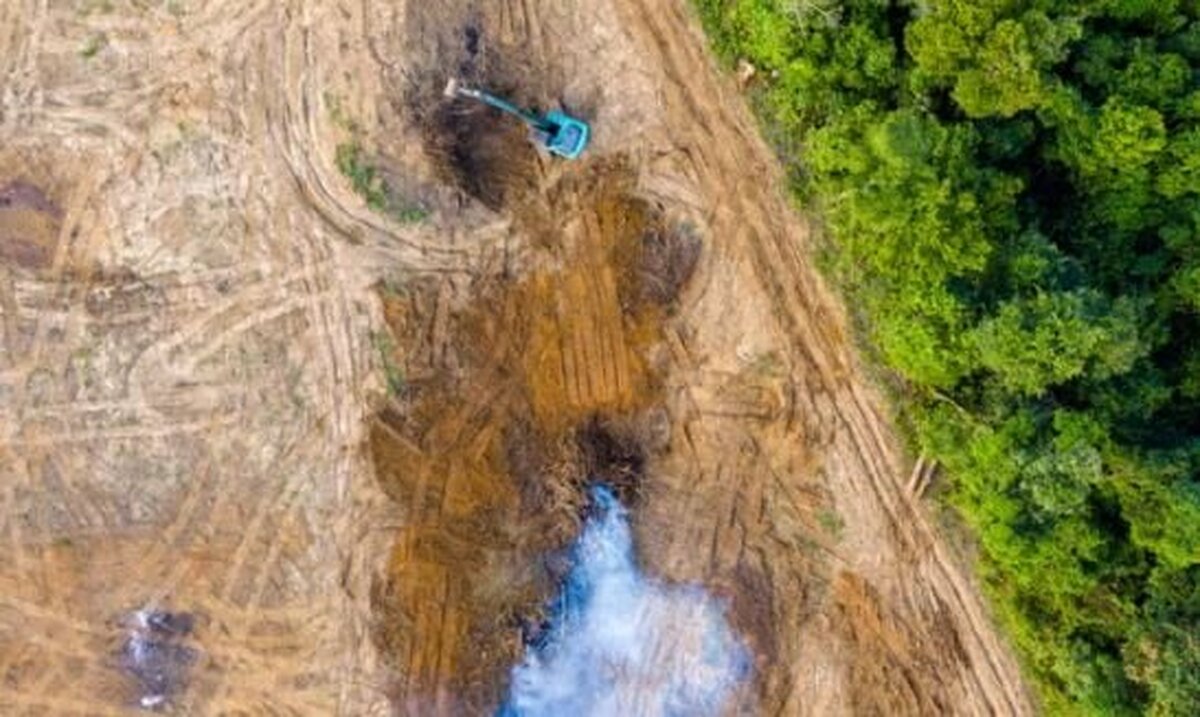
x=1012, y=192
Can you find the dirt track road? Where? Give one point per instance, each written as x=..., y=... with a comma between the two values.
x=189, y=365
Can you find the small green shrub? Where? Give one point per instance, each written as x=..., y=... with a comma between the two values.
x=95, y=43
x=831, y=523
x=396, y=381
x=367, y=183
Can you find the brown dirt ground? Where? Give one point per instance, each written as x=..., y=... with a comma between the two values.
x=199, y=316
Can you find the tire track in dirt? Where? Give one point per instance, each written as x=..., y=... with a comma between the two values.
x=19, y=92
x=346, y=362
x=295, y=125
x=705, y=152
x=807, y=310
x=182, y=369
x=482, y=459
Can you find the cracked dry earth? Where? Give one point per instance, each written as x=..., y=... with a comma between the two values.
x=212, y=503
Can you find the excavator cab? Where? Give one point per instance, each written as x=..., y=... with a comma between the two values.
x=566, y=136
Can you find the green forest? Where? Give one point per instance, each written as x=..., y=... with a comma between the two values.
x=1010, y=197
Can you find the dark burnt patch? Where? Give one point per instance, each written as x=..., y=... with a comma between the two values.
x=170, y=624
x=614, y=456
x=29, y=225
x=656, y=262
x=668, y=259
x=483, y=152
x=472, y=34
x=548, y=479
x=18, y=194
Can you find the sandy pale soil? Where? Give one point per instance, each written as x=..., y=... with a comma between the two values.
x=267, y=450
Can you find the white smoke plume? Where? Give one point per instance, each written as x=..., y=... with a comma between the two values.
x=624, y=645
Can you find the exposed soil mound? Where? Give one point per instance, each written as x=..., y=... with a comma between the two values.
x=531, y=394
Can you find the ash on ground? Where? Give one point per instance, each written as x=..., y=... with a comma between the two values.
x=156, y=655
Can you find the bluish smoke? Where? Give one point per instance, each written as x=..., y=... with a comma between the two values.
x=625, y=645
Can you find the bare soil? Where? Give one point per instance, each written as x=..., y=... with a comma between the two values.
x=264, y=450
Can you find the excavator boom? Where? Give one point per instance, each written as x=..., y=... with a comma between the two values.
x=559, y=133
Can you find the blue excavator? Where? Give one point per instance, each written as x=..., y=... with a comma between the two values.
x=557, y=132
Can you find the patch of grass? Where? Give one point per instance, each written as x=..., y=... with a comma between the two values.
x=364, y=177
x=396, y=382
x=94, y=45
x=831, y=522
x=88, y=7
x=808, y=546
x=767, y=364
x=367, y=183
x=338, y=114
x=410, y=214
x=392, y=287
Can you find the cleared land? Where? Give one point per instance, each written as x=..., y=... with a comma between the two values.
x=201, y=318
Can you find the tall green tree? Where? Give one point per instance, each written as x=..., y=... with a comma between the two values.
x=1011, y=191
